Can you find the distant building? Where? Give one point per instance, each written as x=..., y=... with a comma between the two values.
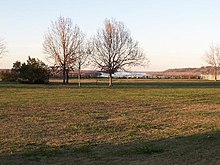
x=209, y=77
x=126, y=75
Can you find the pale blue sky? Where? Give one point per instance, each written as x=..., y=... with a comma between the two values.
x=173, y=33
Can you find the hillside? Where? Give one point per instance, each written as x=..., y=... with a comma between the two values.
x=190, y=70
x=184, y=72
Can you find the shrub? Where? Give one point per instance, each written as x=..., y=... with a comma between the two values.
x=8, y=76
x=34, y=71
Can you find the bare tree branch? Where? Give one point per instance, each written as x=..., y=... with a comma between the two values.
x=82, y=58
x=115, y=49
x=2, y=48
x=212, y=57
x=61, y=44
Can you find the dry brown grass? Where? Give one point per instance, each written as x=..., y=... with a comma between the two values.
x=68, y=125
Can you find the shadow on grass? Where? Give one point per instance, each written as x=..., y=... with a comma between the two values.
x=172, y=84
x=196, y=149
x=145, y=84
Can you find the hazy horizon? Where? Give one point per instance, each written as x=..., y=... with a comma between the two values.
x=174, y=34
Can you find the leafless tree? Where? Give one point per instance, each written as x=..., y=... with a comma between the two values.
x=212, y=57
x=82, y=58
x=115, y=49
x=61, y=44
x=2, y=47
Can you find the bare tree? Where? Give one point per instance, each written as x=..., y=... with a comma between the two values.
x=212, y=57
x=82, y=58
x=115, y=49
x=61, y=44
x=2, y=47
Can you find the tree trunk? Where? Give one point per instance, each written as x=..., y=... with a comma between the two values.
x=215, y=73
x=67, y=76
x=64, y=76
x=79, y=77
x=110, y=80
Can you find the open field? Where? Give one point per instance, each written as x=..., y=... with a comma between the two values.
x=134, y=122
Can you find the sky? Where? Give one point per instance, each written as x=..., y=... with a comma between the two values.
x=173, y=33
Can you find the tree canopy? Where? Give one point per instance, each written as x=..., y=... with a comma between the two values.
x=61, y=44
x=212, y=57
x=114, y=49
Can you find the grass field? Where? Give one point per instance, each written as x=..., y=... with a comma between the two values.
x=134, y=122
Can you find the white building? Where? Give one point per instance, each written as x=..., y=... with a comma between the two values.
x=209, y=77
x=127, y=75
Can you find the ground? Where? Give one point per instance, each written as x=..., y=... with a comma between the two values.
x=134, y=122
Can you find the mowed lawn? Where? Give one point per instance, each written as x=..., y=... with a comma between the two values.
x=140, y=122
